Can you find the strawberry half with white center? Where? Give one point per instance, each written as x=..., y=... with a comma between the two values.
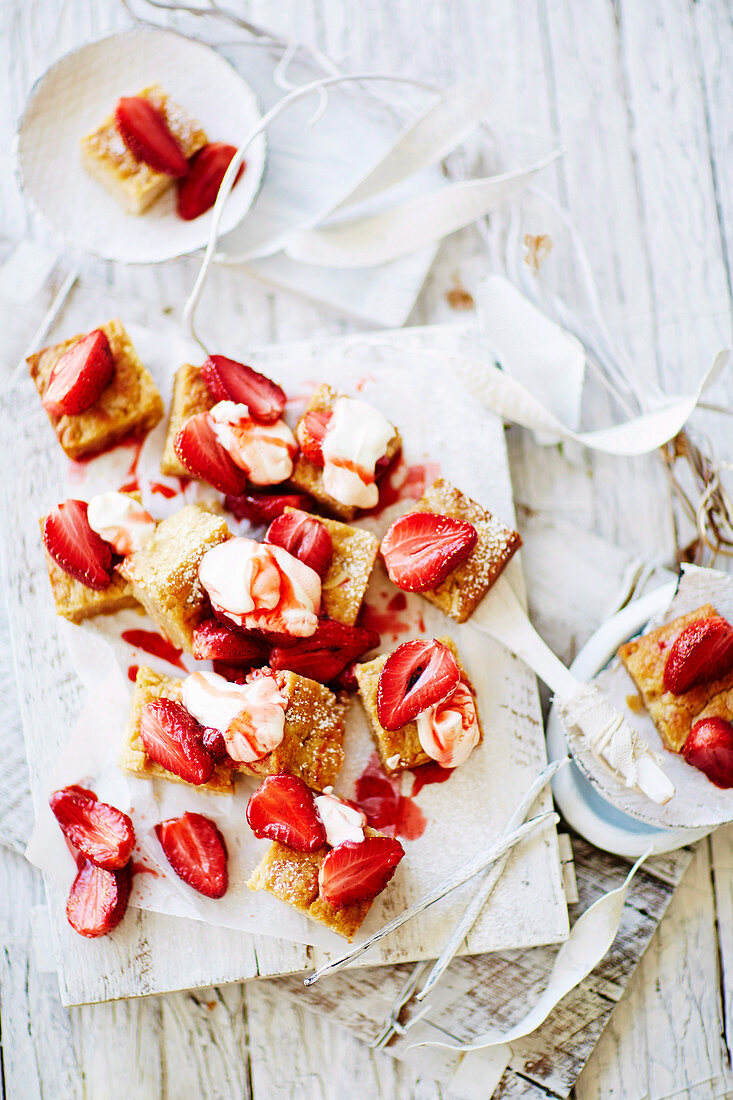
x=198, y=190
x=77, y=380
x=283, y=808
x=147, y=135
x=74, y=546
x=228, y=380
x=327, y=652
x=260, y=508
x=172, y=738
x=703, y=651
x=416, y=676
x=216, y=641
x=304, y=537
x=102, y=833
x=358, y=871
x=196, y=851
x=98, y=898
x=422, y=548
x=709, y=747
x=199, y=450
x=311, y=432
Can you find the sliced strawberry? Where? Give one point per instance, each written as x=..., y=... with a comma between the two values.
x=203, y=456
x=305, y=537
x=172, y=738
x=421, y=549
x=414, y=677
x=283, y=808
x=102, y=833
x=358, y=871
x=146, y=134
x=327, y=652
x=228, y=380
x=197, y=192
x=702, y=651
x=709, y=747
x=235, y=674
x=260, y=508
x=196, y=851
x=213, y=742
x=74, y=546
x=80, y=376
x=346, y=679
x=98, y=898
x=214, y=640
x=310, y=432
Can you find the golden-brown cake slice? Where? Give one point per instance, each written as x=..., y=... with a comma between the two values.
x=130, y=403
x=133, y=758
x=76, y=601
x=343, y=587
x=397, y=749
x=464, y=588
x=293, y=878
x=308, y=476
x=190, y=396
x=673, y=715
x=164, y=574
x=134, y=184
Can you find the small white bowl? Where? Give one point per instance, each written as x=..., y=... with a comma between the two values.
x=80, y=91
x=580, y=803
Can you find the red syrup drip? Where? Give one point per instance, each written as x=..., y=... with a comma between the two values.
x=403, y=482
x=132, y=672
x=164, y=490
x=155, y=644
x=427, y=774
x=131, y=486
x=140, y=868
x=387, y=620
x=386, y=809
x=77, y=466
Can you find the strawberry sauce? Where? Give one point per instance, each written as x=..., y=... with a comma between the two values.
x=155, y=644
x=388, y=619
x=164, y=490
x=403, y=482
x=386, y=809
x=140, y=868
x=427, y=774
x=132, y=672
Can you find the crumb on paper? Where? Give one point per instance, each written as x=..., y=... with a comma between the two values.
x=536, y=250
x=635, y=703
x=458, y=297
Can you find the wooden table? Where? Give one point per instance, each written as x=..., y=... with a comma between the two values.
x=639, y=95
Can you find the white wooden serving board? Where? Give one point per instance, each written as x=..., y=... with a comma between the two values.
x=145, y=955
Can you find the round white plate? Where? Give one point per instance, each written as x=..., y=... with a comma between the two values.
x=579, y=801
x=80, y=91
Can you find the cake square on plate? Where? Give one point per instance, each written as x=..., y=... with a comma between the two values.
x=190, y=397
x=164, y=574
x=129, y=403
x=134, y=184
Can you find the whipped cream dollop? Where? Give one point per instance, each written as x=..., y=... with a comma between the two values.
x=120, y=521
x=340, y=820
x=260, y=586
x=264, y=451
x=356, y=438
x=250, y=717
x=449, y=730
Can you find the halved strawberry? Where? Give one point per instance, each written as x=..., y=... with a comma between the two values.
x=228, y=380
x=265, y=507
x=198, y=191
x=235, y=674
x=98, y=898
x=74, y=546
x=203, y=456
x=305, y=537
x=102, y=833
x=346, y=679
x=196, y=851
x=709, y=747
x=358, y=871
x=702, y=651
x=147, y=135
x=172, y=738
x=80, y=375
x=213, y=742
x=310, y=432
x=421, y=549
x=414, y=677
x=327, y=652
x=214, y=640
x=283, y=808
